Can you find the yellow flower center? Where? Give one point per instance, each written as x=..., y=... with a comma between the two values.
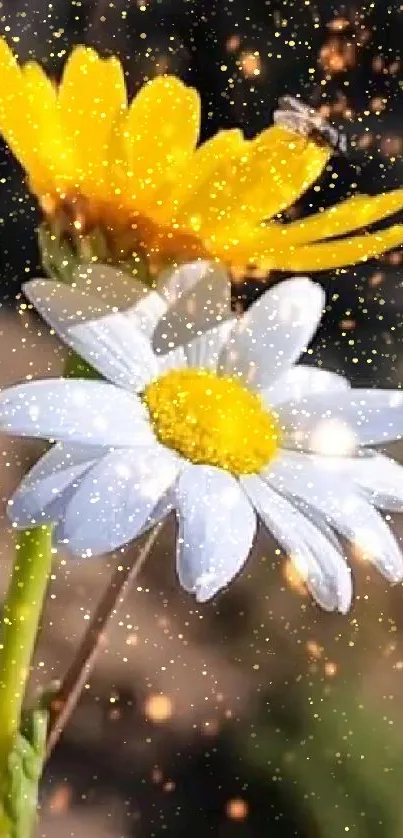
x=212, y=420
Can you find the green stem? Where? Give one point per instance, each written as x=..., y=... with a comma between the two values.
x=22, y=611
x=19, y=628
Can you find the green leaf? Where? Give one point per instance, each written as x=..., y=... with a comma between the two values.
x=62, y=253
x=92, y=247
x=57, y=255
x=19, y=785
x=76, y=367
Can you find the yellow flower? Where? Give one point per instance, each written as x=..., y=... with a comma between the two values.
x=136, y=170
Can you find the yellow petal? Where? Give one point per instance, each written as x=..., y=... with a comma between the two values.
x=328, y=255
x=268, y=175
x=120, y=175
x=209, y=157
x=51, y=145
x=282, y=166
x=91, y=93
x=296, y=163
x=210, y=201
x=158, y=136
x=16, y=124
x=353, y=214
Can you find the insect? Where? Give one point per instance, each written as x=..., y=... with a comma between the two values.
x=294, y=114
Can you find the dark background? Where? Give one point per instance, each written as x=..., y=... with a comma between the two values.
x=103, y=775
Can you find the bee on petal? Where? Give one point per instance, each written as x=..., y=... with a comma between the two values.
x=297, y=116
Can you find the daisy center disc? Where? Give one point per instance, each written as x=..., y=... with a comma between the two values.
x=212, y=420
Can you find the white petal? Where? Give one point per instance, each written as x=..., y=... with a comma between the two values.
x=173, y=360
x=64, y=305
x=367, y=417
x=173, y=284
x=216, y=529
x=301, y=381
x=113, y=288
x=148, y=312
x=75, y=410
x=200, y=299
x=382, y=480
x=274, y=332
x=42, y=494
x=134, y=297
x=113, y=344
x=318, y=520
x=321, y=565
x=117, y=349
x=204, y=351
x=337, y=498
x=115, y=499
x=164, y=506
x=68, y=305
x=98, y=290
x=377, y=476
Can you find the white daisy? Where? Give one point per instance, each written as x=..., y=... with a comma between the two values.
x=208, y=415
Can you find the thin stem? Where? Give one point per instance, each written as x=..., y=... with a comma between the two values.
x=81, y=667
x=19, y=628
